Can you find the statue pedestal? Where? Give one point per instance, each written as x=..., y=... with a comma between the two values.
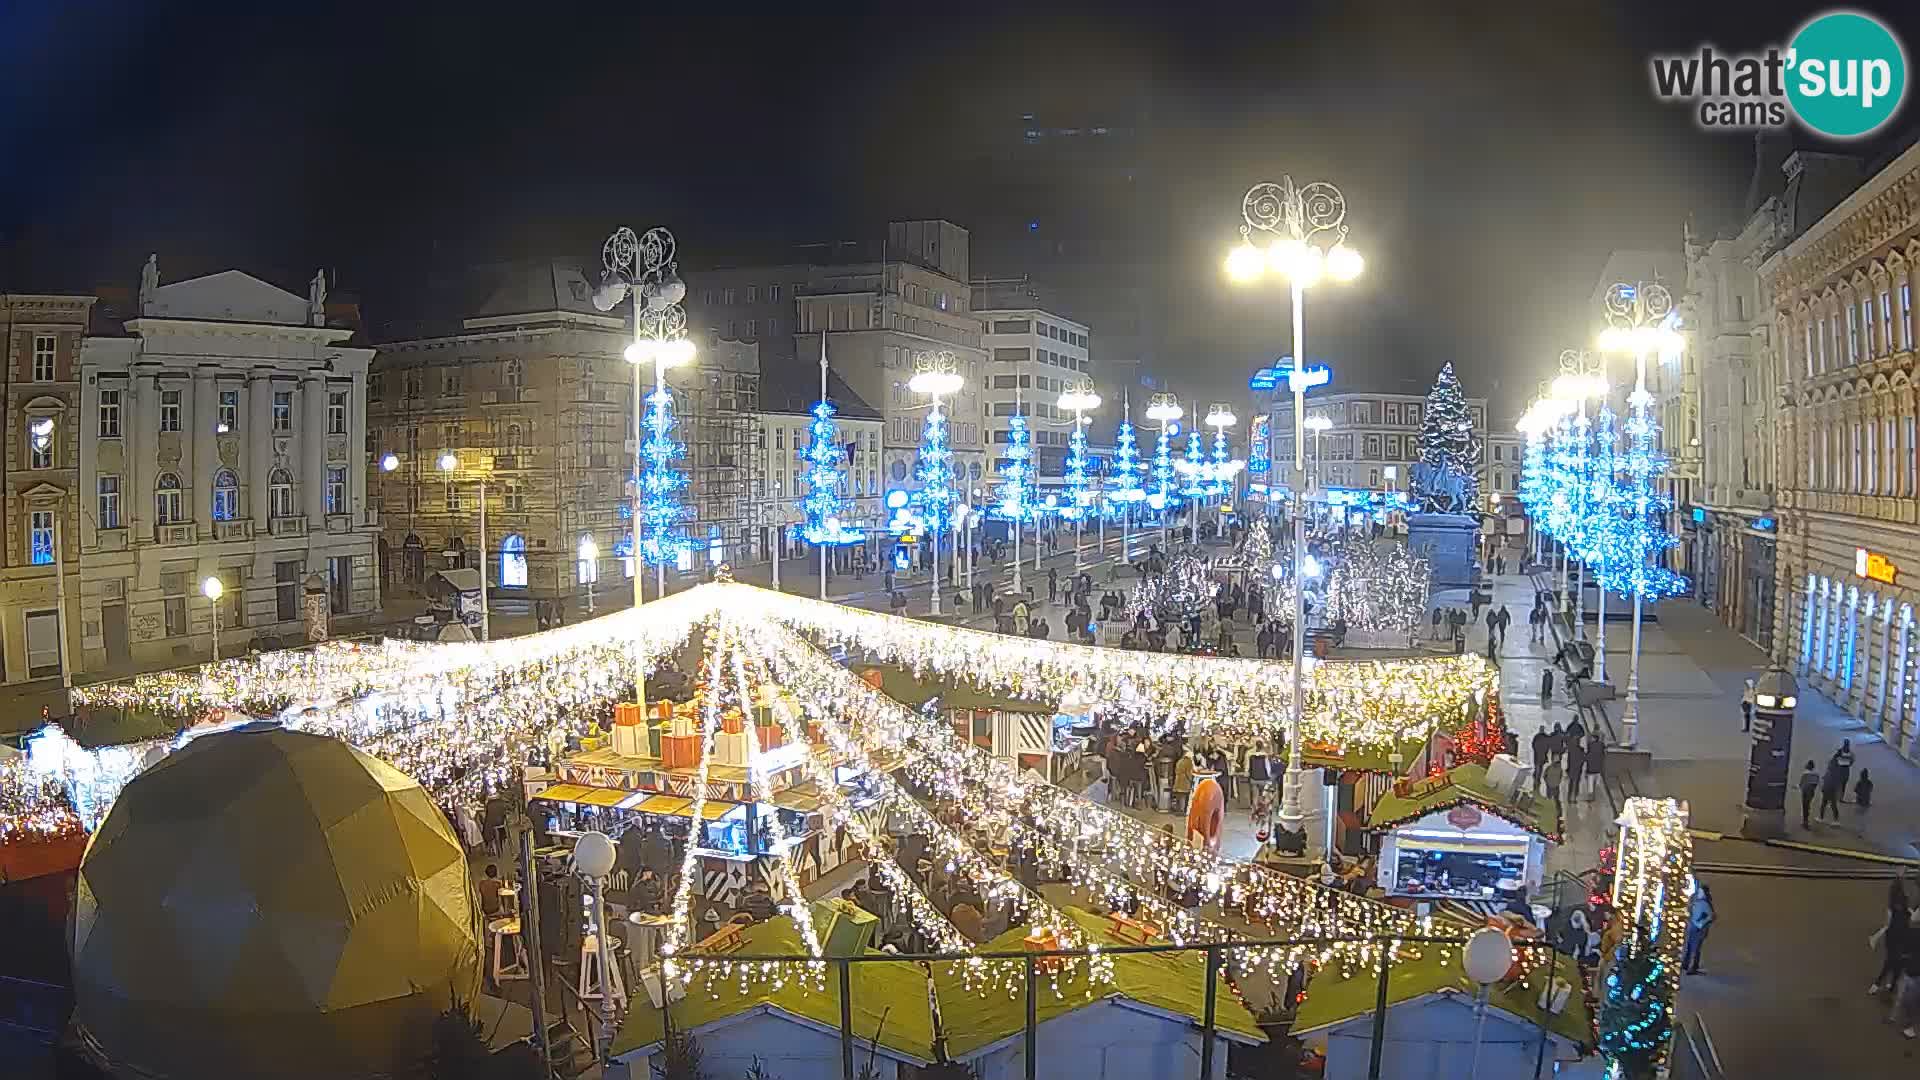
x=1447, y=542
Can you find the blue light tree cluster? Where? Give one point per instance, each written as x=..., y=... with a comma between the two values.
x=934, y=470
x=1534, y=488
x=826, y=468
x=1016, y=476
x=1601, y=542
x=1164, y=497
x=1077, y=462
x=1222, y=460
x=1126, y=469
x=1194, y=468
x=661, y=510
x=1643, y=534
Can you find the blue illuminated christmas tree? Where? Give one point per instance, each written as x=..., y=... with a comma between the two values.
x=1126, y=468
x=934, y=469
x=661, y=511
x=1194, y=468
x=1222, y=462
x=826, y=468
x=1603, y=540
x=1163, y=497
x=1534, y=483
x=1635, y=1023
x=1561, y=482
x=1645, y=536
x=1259, y=462
x=1016, y=475
x=1077, y=462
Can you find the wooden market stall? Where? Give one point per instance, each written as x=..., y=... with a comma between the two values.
x=1457, y=836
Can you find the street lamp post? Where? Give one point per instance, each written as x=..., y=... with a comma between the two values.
x=644, y=267
x=936, y=374
x=1221, y=470
x=448, y=463
x=1640, y=317
x=1164, y=409
x=1300, y=220
x=1078, y=400
x=1318, y=424
x=590, y=566
x=212, y=589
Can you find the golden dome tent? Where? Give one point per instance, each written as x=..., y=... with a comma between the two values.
x=266, y=902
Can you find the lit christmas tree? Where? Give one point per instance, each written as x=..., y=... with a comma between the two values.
x=934, y=470
x=1635, y=1022
x=661, y=512
x=1534, y=485
x=826, y=468
x=1221, y=463
x=1125, y=468
x=1644, y=535
x=1164, y=496
x=1561, y=483
x=1077, y=462
x=1603, y=541
x=1257, y=550
x=1446, y=434
x=1259, y=458
x=1016, y=476
x=1194, y=468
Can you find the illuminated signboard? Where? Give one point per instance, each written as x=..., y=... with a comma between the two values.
x=1264, y=379
x=1764, y=524
x=1307, y=378
x=1699, y=515
x=1874, y=566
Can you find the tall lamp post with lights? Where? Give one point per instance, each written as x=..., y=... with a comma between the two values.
x=1641, y=320
x=448, y=465
x=1078, y=400
x=213, y=590
x=1222, y=469
x=1307, y=231
x=1318, y=423
x=1164, y=410
x=937, y=375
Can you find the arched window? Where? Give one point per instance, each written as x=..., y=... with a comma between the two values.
x=513, y=438
x=226, y=495
x=166, y=499
x=513, y=372
x=513, y=562
x=280, y=494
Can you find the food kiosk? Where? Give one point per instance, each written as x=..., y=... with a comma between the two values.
x=1457, y=836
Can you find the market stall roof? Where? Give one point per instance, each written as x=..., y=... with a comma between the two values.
x=1333, y=998
x=1467, y=784
x=1372, y=759
x=1167, y=983
x=658, y=805
x=913, y=690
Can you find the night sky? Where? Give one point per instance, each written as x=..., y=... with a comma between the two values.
x=1489, y=165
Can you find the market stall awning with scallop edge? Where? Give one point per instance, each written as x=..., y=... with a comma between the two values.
x=1464, y=784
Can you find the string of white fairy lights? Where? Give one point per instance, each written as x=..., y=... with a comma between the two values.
x=1354, y=704
x=673, y=940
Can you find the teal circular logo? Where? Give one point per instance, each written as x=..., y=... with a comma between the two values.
x=1847, y=74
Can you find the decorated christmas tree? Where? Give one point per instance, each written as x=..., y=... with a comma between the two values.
x=1126, y=469
x=1447, y=440
x=1643, y=536
x=1164, y=496
x=661, y=511
x=826, y=467
x=1257, y=550
x=1077, y=462
x=934, y=470
x=1635, y=1020
x=1016, y=476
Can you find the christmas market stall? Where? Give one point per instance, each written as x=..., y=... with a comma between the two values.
x=1469, y=833
x=1049, y=738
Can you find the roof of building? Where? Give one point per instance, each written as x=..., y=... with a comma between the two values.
x=1334, y=997
x=792, y=389
x=1467, y=784
x=888, y=999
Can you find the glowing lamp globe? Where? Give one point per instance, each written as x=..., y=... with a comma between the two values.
x=212, y=588
x=1344, y=263
x=448, y=462
x=610, y=292
x=1246, y=263
x=639, y=352
x=677, y=353
x=1285, y=255
x=265, y=902
x=934, y=383
x=389, y=463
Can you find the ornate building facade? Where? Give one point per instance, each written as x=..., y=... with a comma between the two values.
x=1841, y=298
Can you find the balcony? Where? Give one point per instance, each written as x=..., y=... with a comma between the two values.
x=233, y=529
x=288, y=526
x=338, y=524
x=174, y=533
x=370, y=517
x=110, y=539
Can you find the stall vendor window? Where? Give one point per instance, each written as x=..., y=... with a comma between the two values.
x=1472, y=873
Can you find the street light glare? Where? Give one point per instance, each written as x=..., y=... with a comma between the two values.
x=678, y=352
x=1344, y=263
x=1246, y=263
x=638, y=352
x=934, y=383
x=389, y=463
x=212, y=589
x=1318, y=423
x=1165, y=411
x=448, y=462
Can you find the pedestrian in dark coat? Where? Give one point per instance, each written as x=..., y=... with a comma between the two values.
x=1895, y=938
x=1576, y=765
x=1809, y=783
x=1546, y=686
x=1541, y=742
x=1832, y=787
x=1843, y=761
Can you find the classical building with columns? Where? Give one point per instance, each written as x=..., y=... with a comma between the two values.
x=221, y=432
x=1841, y=302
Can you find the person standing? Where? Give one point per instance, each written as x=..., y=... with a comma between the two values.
x=1842, y=761
x=1182, y=782
x=1554, y=774
x=1894, y=938
x=1863, y=791
x=1546, y=686
x=1809, y=783
x=1436, y=624
x=1700, y=918
x=1596, y=760
x=1020, y=617
x=1541, y=740
x=1556, y=742
x=1746, y=707
x=1053, y=584
x=1832, y=787
x=1576, y=766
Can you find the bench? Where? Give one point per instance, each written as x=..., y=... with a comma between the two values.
x=1137, y=931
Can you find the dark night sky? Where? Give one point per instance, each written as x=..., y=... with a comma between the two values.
x=1489, y=163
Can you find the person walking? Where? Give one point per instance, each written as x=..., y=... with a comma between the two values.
x=1493, y=626
x=1020, y=617
x=1576, y=766
x=1809, y=783
x=1894, y=938
x=1863, y=791
x=1546, y=686
x=1596, y=760
x=1436, y=624
x=1541, y=740
x=1908, y=994
x=1506, y=620
x=1746, y=707
x=1053, y=584
x=1554, y=774
x=1556, y=742
x=1833, y=787
x=1842, y=760
x=1700, y=918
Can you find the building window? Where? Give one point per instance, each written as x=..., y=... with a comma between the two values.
x=513, y=562
x=337, y=412
x=169, y=410
x=1887, y=335
x=226, y=495
x=753, y=329
x=283, y=410
x=514, y=372
x=513, y=500
x=43, y=353
x=340, y=583
x=286, y=590
x=280, y=494
x=773, y=294
x=1906, y=316
x=1866, y=328
x=453, y=497
x=229, y=412
x=109, y=505
x=336, y=489
x=109, y=414
x=40, y=442
x=166, y=500
x=1853, y=334
x=1809, y=336
x=450, y=384
x=40, y=536
x=753, y=294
